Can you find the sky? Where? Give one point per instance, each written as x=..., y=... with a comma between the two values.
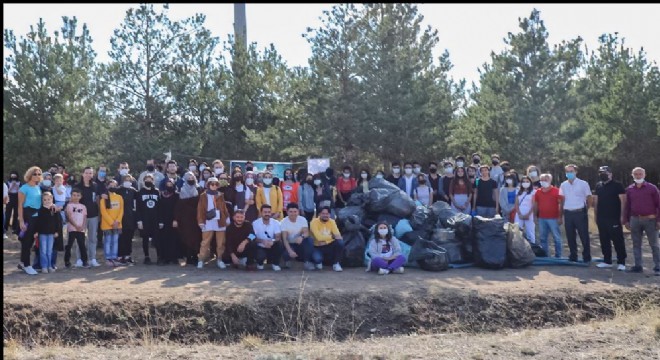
x=468, y=31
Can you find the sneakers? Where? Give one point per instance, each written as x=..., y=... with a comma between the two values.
x=221, y=264
x=147, y=261
x=129, y=261
x=200, y=264
x=5, y=237
x=44, y=270
x=621, y=267
x=337, y=267
x=636, y=269
x=243, y=261
x=398, y=270
x=382, y=271
x=308, y=266
x=604, y=265
x=51, y=270
x=287, y=265
x=318, y=266
x=68, y=266
x=110, y=263
x=94, y=263
x=79, y=263
x=260, y=267
x=29, y=270
x=276, y=267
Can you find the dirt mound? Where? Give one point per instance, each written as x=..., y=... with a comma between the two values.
x=309, y=316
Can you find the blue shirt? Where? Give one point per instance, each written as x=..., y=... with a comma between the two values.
x=511, y=196
x=32, y=196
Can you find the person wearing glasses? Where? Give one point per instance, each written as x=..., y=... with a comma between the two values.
x=212, y=218
x=29, y=203
x=269, y=236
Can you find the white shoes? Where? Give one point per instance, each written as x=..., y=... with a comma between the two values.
x=309, y=266
x=44, y=270
x=51, y=270
x=398, y=270
x=337, y=267
x=382, y=271
x=200, y=264
x=94, y=263
x=243, y=261
x=276, y=267
x=604, y=265
x=30, y=270
x=221, y=264
x=319, y=266
x=79, y=263
x=621, y=267
x=260, y=267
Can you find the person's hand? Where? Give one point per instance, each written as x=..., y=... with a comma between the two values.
x=104, y=196
x=235, y=260
x=293, y=254
x=250, y=202
x=140, y=227
x=202, y=227
x=268, y=244
x=241, y=247
x=627, y=225
x=56, y=235
x=321, y=243
x=23, y=225
x=299, y=239
x=536, y=221
x=161, y=225
x=115, y=224
x=560, y=221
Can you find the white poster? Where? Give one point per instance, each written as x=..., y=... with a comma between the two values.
x=315, y=166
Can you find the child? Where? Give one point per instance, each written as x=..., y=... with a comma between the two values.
x=76, y=215
x=112, y=211
x=385, y=251
x=49, y=226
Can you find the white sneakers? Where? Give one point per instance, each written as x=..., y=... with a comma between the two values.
x=382, y=271
x=221, y=265
x=94, y=263
x=604, y=265
x=79, y=263
x=621, y=267
x=337, y=267
x=51, y=270
x=319, y=266
x=398, y=270
x=260, y=267
x=309, y=266
x=243, y=261
x=30, y=270
x=276, y=267
x=200, y=264
x=386, y=271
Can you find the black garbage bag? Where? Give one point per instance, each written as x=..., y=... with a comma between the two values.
x=389, y=218
x=442, y=235
x=421, y=218
x=400, y=204
x=519, y=252
x=412, y=237
x=538, y=250
x=352, y=223
x=377, y=183
x=345, y=212
x=450, y=218
x=358, y=199
x=368, y=222
x=439, y=207
x=429, y=255
x=379, y=200
x=354, y=246
x=489, y=247
x=454, y=252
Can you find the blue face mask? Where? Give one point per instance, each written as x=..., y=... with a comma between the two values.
x=570, y=175
x=101, y=174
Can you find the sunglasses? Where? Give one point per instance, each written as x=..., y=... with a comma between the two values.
x=36, y=174
x=214, y=184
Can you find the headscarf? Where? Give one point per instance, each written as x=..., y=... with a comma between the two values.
x=188, y=191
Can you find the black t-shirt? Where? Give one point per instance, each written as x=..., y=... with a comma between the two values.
x=393, y=180
x=485, y=189
x=90, y=195
x=235, y=236
x=609, y=204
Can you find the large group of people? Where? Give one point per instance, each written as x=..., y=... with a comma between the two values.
x=245, y=218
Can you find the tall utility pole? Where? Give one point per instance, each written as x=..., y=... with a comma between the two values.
x=240, y=24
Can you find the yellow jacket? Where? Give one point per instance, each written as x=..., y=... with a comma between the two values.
x=276, y=200
x=116, y=211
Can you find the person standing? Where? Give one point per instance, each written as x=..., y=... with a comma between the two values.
x=508, y=198
x=168, y=237
x=609, y=200
x=395, y=175
x=524, y=209
x=29, y=203
x=112, y=211
x=90, y=198
x=306, y=202
x=49, y=227
x=147, y=214
x=496, y=171
x=408, y=182
x=486, y=194
x=577, y=200
x=345, y=186
x=642, y=215
x=128, y=222
x=76, y=216
x=150, y=169
x=270, y=195
x=185, y=216
x=13, y=184
x=212, y=218
x=289, y=189
x=548, y=213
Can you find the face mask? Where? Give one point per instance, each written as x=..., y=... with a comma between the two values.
x=317, y=182
x=218, y=171
x=347, y=175
x=525, y=185
x=510, y=181
x=476, y=161
x=363, y=175
x=408, y=171
x=249, y=168
x=127, y=184
x=14, y=178
x=396, y=170
x=604, y=177
x=192, y=167
x=421, y=182
x=533, y=174
x=206, y=176
x=495, y=162
x=101, y=174
x=545, y=184
x=112, y=189
x=268, y=181
x=47, y=183
x=191, y=182
x=151, y=168
x=201, y=168
x=639, y=181
x=148, y=184
x=383, y=232
x=417, y=170
x=379, y=176
x=449, y=170
x=223, y=183
x=570, y=176
x=433, y=170
x=249, y=181
x=123, y=172
x=505, y=168
x=169, y=189
x=460, y=164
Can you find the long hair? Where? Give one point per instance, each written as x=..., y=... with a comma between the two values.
x=529, y=189
x=388, y=237
x=454, y=181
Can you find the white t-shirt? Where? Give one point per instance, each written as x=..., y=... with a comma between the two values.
x=267, y=194
x=57, y=197
x=263, y=231
x=293, y=229
x=409, y=181
x=575, y=195
x=5, y=191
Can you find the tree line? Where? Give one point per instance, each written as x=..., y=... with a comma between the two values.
x=372, y=93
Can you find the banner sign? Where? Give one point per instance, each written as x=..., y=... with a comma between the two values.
x=260, y=166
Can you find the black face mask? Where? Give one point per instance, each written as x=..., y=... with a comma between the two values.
x=421, y=182
x=191, y=182
x=604, y=177
x=433, y=170
x=112, y=190
x=148, y=184
x=248, y=168
x=476, y=161
x=310, y=181
x=151, y=168
x=505, y=168
x=496, y=162
x=14, y=178
x=169, y=189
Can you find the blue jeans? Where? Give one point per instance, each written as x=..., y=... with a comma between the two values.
x=110, y=244
x=303, y=250
x=331, y=253
x=553, y=226
x=487, y=212
x=46, y=242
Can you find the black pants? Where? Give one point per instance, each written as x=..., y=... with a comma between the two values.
x=80, y=238
x=126, y=241
x=610, y=231
x=309, y=215
x=11, y=213
x=27, y=240
x=273, y=254
x=577, y=222
x=248, y=252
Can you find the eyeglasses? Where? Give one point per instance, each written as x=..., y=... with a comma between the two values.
x=36, y=174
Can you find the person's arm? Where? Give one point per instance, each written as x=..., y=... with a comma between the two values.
x=335, y=231
x=625, y=214
x=594, y=200
x=622, y=198
x=495, y=195
x=516, y=206
x=535, y=209
x=474, y=191
x=561, y=210
x=373, y=248
x=21, y=202
x=396, y=247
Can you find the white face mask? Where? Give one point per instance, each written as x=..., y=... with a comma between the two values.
x=417, y=170
x=249, y=181
x=545, y=184
x=347, y=175
x=383, y=232
x=396, y=171
x=127, y=184
x=364, y=176
x=317, y=182
x=525, y=185
x=123, y=172
x=460, y=163
x=47, y=183
x=449, y=170
x=639, y=181
x=408, y=171
x=201, y=168
x=533, y=174
x=219, y=170
x=268, y=181
x=379, y=176
x=192, y=167
x=510, y=182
